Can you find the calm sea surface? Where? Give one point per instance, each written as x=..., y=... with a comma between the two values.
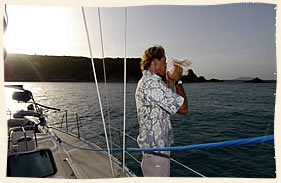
x=217, y=112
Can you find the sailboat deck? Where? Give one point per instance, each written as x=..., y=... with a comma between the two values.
x=86, y=164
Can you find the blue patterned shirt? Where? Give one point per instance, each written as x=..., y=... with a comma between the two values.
x=155, y=103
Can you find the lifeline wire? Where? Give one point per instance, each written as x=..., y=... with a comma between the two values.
x=231, y=143
x=125, y=85
x=186, y=167
x=179, y=163
x=97, y=87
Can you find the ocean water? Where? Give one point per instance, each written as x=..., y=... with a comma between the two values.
x=217, y=112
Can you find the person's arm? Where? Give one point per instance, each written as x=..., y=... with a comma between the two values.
x=184, y=108
x=174, y=78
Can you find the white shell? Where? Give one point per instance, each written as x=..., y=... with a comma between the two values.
x=184, y=64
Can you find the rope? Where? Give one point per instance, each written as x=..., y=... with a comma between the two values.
x=105, y=84
x=97, y=87
x=231, y=143
x=125, y=85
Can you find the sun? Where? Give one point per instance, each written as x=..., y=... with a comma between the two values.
x=39, y=30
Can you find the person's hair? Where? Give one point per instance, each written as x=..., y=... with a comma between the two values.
x=150, y=54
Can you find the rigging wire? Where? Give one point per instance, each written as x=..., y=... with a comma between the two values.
x=97, y=87
x=6, y=20
x=105, y=83
x=125, y=86
x=5, y=25
x=186, y=167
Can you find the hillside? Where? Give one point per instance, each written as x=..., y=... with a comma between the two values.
x=30, y=68
x=36, y=68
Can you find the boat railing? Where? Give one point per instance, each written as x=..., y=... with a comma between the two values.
x=65, y=119
x=74, y=119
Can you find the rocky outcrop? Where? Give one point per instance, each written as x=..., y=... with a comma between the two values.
x=193, y=78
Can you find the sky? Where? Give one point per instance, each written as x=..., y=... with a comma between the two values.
x=222, y=41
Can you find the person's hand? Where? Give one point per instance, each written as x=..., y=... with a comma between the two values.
x=170, y=82
x=176, y=75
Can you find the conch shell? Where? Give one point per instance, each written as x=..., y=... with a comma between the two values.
x=184, y=64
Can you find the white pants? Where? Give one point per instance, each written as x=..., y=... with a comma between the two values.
x=155, y=166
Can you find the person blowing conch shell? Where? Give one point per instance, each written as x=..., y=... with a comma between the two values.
x=155, y=104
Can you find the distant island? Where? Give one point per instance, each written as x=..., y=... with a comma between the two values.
x=38, y=68
x=253, y=80
x=256, y=80
x=243, y=78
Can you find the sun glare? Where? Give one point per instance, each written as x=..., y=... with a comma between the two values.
x=39, y=30
x=12, y=106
